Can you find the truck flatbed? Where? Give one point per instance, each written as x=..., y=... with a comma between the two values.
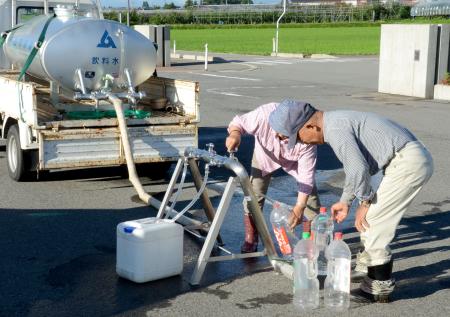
x=45, y=132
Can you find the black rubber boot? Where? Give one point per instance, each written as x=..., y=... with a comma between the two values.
x=379, y=283
x=381, y=272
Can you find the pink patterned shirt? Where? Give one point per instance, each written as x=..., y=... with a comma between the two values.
x=271, y=153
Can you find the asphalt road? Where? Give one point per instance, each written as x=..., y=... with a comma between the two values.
x=57, y=241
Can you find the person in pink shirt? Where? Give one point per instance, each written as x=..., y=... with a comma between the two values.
x=273, y=151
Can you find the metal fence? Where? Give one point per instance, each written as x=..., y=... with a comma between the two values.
x=295, y=14
x=431, y=8
x=260, y=14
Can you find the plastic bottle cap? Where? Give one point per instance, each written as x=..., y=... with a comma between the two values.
x=129, y=229
x=306, y=235
x=338, y=236
x=323, y=210
x=276, y=204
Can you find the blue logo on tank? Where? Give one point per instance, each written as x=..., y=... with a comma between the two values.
x=106, y=41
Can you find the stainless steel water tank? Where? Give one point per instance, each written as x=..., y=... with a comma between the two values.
x=94, y=46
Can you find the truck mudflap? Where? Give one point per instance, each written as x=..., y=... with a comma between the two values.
x=74, y=148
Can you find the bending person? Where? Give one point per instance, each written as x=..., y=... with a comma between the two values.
x=271, y=152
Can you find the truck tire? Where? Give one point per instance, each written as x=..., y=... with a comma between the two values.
x=15, y=155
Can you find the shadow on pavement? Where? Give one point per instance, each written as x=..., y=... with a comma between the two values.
x=423, y=279
x=62, y=262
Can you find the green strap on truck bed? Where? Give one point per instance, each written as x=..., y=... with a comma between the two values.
x=36, y=47
x=100, y=114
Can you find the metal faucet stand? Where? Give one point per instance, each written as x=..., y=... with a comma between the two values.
x=217, y=217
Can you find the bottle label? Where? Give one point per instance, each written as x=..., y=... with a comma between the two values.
x=342, y=275
x=283, y=241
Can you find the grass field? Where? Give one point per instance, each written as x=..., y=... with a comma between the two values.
x=306, y=40
x=327, y=38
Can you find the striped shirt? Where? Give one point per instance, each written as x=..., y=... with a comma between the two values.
x=272, y=153
x=365, y=143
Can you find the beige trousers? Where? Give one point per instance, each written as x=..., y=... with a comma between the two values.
x=260, y=185
x=404, y=177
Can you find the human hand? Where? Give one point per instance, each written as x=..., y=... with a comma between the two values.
x=233, y=140
x=361, y=223
x=296, y=217
x=339, y=211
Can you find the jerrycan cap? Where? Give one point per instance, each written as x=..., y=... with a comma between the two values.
x=338, y=236
x=129, y=229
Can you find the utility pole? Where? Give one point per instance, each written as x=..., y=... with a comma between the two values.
x=128, y=13
x=278, y=26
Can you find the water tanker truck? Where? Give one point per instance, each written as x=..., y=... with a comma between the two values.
x=67, y=76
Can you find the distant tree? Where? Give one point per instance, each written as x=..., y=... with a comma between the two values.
x=208, y=2
x=169, y=6
x=188, y=4
x=145, y=5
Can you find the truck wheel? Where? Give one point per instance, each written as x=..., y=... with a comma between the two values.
x=15, y=157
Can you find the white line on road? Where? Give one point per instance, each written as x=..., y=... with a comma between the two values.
x=266, y=63
x=229, y=94
x=250, y=68
x=282, y=62
x=269, y=62
x=230, y=77
x=214, y=91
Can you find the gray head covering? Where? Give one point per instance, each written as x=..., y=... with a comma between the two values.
x=289, y=117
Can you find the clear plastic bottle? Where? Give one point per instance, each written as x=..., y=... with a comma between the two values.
x=286, y=239
x=337, y=283
x=306, y=284
x=322, y=228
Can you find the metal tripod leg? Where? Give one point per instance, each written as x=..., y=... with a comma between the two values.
x=213, y=231
x=172, y=183
x=206, y=202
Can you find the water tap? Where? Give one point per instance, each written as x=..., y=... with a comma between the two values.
x=232, y=154
x=210, y=147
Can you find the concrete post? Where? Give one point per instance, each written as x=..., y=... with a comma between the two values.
x=408, y=59
x=206, y=56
